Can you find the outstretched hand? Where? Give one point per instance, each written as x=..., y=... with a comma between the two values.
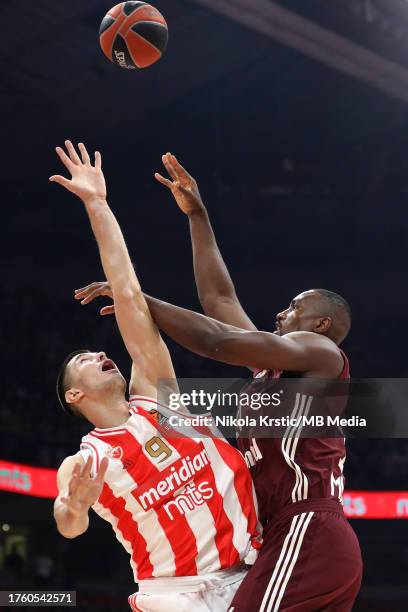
x=87, y=181
x=183, y=186
x=84, y=491
x=90, y=292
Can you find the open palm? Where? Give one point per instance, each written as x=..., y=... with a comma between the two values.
x=87, y=181
x=83, y=491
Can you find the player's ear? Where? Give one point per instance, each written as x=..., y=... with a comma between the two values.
x=323, y=325
x=73, y=396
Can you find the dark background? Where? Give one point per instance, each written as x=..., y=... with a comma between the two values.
x=304, y=171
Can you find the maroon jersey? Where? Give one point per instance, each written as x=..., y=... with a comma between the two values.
x=293, y=469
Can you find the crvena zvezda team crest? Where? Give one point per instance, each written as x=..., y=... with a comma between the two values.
x=115, y=452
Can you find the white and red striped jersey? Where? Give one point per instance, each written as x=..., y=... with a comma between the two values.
x=181, y=506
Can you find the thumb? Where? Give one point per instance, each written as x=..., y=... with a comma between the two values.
x=61, y=180
x=107, y=310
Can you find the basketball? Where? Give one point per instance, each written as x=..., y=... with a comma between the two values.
x=133, y=35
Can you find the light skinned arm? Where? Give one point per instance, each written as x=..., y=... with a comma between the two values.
x=150, y=356
x=77, y=491
x=215, y=288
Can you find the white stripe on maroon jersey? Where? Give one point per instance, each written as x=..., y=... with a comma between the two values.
x=302, y=476
x=290, y=442
x=289, y=439
x=278, y=565
x=287, y=553
x=291, y=566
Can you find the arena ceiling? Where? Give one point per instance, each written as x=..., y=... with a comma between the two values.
x=57, y=83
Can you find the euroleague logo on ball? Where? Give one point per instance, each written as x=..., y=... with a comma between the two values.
x=133, y=35
x=115, y=452
x=121, y=59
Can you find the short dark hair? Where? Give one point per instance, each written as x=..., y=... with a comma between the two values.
x=339, y=307
x=336, y=300
x=62, y=383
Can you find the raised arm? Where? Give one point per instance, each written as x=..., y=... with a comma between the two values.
x=298, y=351
x=77, y=491
x=215, y=288
x=151, y=359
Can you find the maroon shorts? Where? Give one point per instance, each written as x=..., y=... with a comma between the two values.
x=310, y=562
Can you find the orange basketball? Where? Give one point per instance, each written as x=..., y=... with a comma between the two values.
x=133, y=35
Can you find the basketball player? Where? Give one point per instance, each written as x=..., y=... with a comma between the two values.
x=183, y=508
x=310, y=559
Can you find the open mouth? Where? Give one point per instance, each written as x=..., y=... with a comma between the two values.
x=108, y=366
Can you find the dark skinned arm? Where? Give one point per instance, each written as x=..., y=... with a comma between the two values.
x=215, y=288
x=303, y=352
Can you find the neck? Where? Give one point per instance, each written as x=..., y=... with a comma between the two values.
x=110, y=414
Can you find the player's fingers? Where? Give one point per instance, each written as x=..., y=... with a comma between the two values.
x=163, y=180
x=84, y=153
x=82, y=289
x=80, y=295
x=61, y=180
x=107, y=310
x=64, y=158
x=179, y=168
x=75, y=472
x=73, y=155
x=98, y=160
x=91, y=295
x=90, y=287
x=73, y=484
x=169, y=166
x=102, y=469
x=86, y=470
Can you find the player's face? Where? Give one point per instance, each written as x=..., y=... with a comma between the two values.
x=300, y=315
x=94, y=374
